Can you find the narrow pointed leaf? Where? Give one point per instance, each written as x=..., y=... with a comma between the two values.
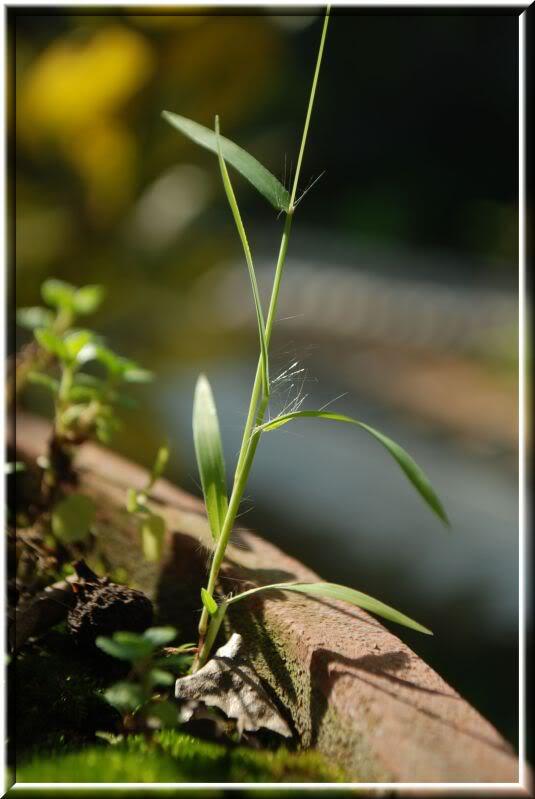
x=334, y=591
x=248, y=257
x=209, y=453
x=251, y=169
x=407, y=464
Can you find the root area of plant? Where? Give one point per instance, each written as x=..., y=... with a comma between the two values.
x=63, y=730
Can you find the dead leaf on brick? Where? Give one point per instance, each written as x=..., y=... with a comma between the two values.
x=230, y=684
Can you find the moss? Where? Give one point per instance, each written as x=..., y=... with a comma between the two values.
x=175, y=757
x=111, y=793
x=282, y=766
x=99, y=764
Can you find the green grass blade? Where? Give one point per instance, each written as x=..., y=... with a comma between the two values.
x=334, y=591
x=251, y=169
x=408, y=465
x=248, y=257
x=209, y=453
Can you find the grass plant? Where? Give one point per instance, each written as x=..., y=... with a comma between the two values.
x=222, y=508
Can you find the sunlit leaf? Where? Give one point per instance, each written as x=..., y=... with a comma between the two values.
x=122, y=368
x=31, y=318
x=208, y=602
x=87, y=299
x=58, y=293
x=52, y=343
x=209, y=453
x=408, y=465
x=152, y=537
x=248, y=258
x=137, y=375
x=131, y=500
x=160, y=463
x=251, y=169
x=72, y=518
x=76, y=342
x=333, y=591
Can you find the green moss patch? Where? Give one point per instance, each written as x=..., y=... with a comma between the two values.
x=175, y=757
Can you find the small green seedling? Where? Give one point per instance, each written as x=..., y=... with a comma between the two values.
x=151, y=525
x=222, y=509
x=65, y=304
x=142, y=698
x=85, y=404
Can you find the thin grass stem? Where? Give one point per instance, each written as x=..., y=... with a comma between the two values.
x=208, y=628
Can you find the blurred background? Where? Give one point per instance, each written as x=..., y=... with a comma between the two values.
x=400, y=291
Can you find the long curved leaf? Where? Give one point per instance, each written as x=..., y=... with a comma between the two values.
x=209, y=453
x=408, y=465
x=248, y=257
x=251, y=169
x=334, y=591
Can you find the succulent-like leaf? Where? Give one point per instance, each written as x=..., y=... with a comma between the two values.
x=334, y=591
x=251, y=169
x=209, y=453
x=407, y=464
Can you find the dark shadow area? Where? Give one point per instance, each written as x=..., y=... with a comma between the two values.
x=178, y=595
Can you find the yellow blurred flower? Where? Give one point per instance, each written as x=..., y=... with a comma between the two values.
x=70, y=97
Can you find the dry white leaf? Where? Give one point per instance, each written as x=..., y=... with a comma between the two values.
x=230, y=684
